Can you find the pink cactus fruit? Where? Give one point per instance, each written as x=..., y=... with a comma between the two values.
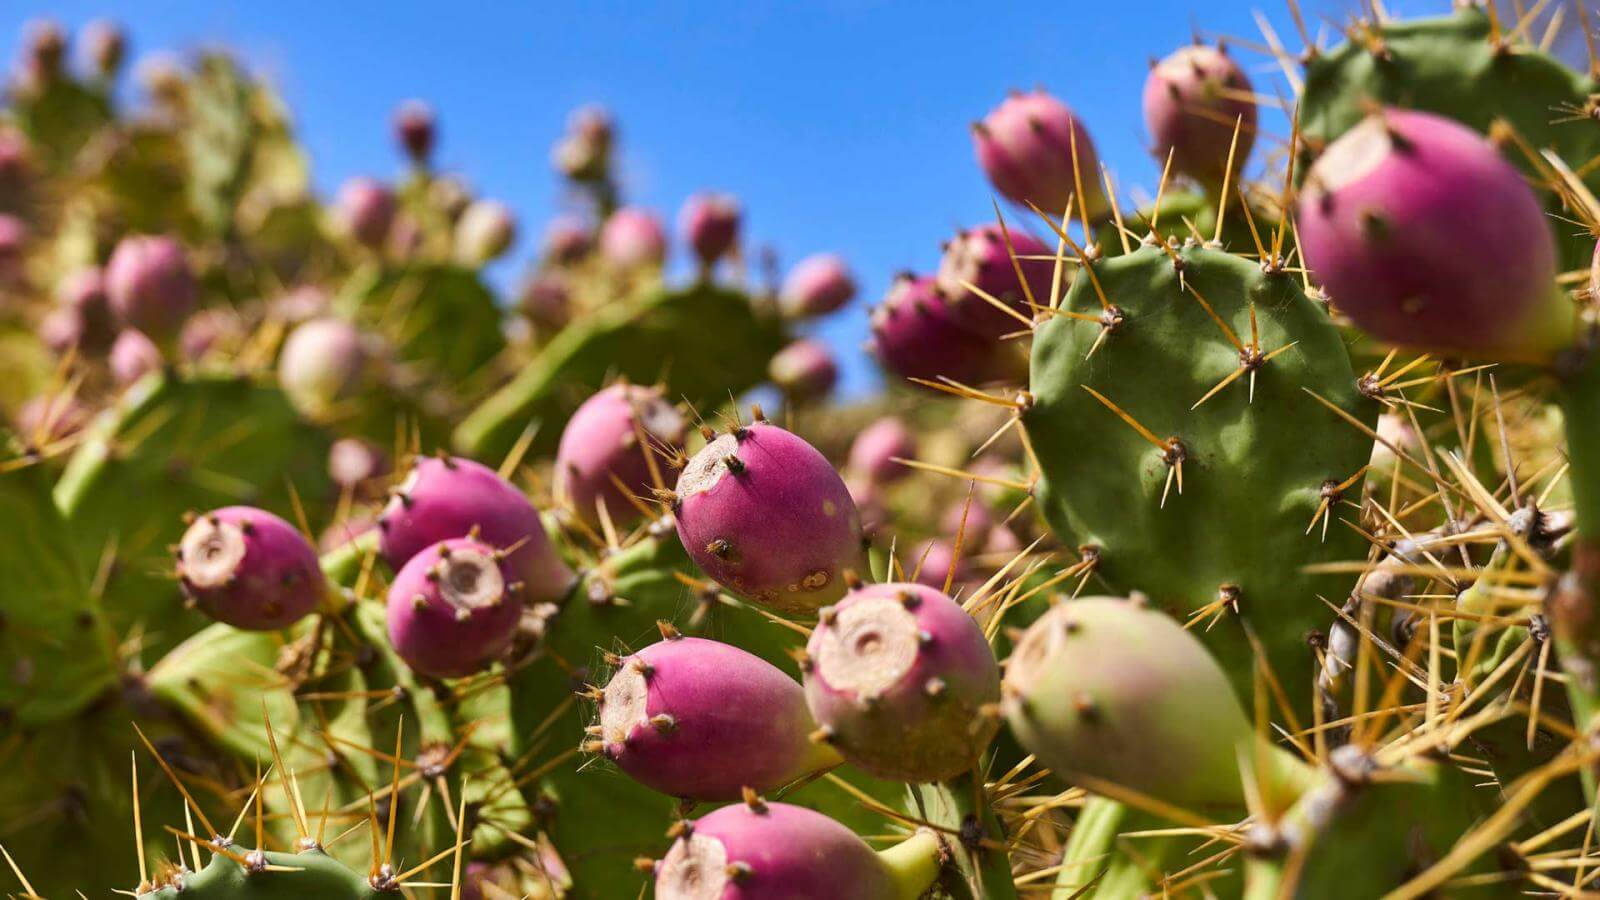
x=915, y=334
x=616, y=450
x=817, y=285
x=347, y=529
x=105, y=44
x=208, y=330
x=870, y=504
x=567, y=239
x=1192, y=101
x=44, y=48
x=321, y=364
x=132, y=356
x=365, y=209
x=935, y=560
x=676, y=717
x=150, y=285
x=484, y=232
x=876, y=448
x=632, y=238
x=415, y=128
x=804, y=370
x=1026, y=146
x=546, y=299
x=764, y=514
x=584, y=152
x=448, y=497
x=1421, y=232
x=250, y=569
x=49, y=418
x=901, y=679
x=453, y=608
x=84, y=309
x=356, y=465
x=980, y=257
x=709, y=225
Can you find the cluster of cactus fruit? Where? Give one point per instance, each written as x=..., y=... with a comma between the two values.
x=1244, y=543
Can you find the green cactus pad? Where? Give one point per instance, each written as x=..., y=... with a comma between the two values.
x=168, y=447
x=437, y=315
x=311, y=874
x=1254, y=471
x=1179, y=210
x=1450, y=66
x=705, y=341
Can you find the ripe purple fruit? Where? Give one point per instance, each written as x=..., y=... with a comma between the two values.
x=915, y=334
x=611, y=451
x=900, y=677
x=632, y=238
x=484, y=231
x=546, y=299
x=250, y=569
x=1026, y=144
x=355, y=464
x=584, y=152
x=677, y=717
x=1192, y=100
x=763, y=513
x=320, y=363
x=817, y=285
x=149, y=284
x=365, y=208
x=709, y=224
x=567, y=239
x=979, y=257
x=454, y=608
x=774, y=851
x=935, y=559
x=876, y=447
x=444, y=498
x=132, y=357
x=1426, y=236
x=415, y=129
x=83, y=296
x=804, y=370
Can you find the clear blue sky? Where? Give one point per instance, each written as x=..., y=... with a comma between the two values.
x=841, y=124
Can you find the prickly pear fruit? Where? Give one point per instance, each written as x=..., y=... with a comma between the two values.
x=979, y=257
x=1027, y=146
x=104, y=45
x=447, y=497
x=454, y=607
x=567, y=239
x=584, y=153
x=83, y=295
x=320, y=363
x=915, y=334
x=415, y=129
x=709, y=225
x=546, y=299
x=616, y=449
x=804, y=370
x=632, y=238
x=817, y=285
x=149, y=284
x=365, y=209
x=1423, y=234
x=132, y=356
x=1105, y=690
x=676, y=717
x=50, y=417
x=773, y=851
x=484, y=231
x=899, y=676
x=936, y=562
x=355, y=464
x=876, y=447
x=1192, y=100
x=250, y=569
x=763, y=513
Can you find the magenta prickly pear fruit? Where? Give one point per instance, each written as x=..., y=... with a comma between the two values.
x=676, y=717
x=149, y=284
x=43, y=50
x=546, y=299
x=567, y=239
x=355, y=465
x=132, y=357
x=49, y=418
x=484, y=231
x=1192, y=99
x=915, y=334
x=61, y=329
x=1025, y=145
x=901, y=678
x=817, y=285
x=619, y=435
x=584, y=153
x=774, y=851
x=365, y=208
x=763, y=513
x=933, y=561
x=870, y=505
x=321, y=362
x=301, y=304
x=804, y=370
x=709, y=225
x=632, y=238
x=448, y=497
x=415, y=128
x=978, y=256
x=250, y=569
x=1106, y=690
x=876, y=447
x=454, y=607
x=1421, y=232
x=105, y=45
x=83, y=294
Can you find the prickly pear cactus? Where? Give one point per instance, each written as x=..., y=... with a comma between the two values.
x=1184, y=443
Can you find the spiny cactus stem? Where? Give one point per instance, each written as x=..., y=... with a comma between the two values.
x=1573, y=606
x=1580, y=396
x=982, y=838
